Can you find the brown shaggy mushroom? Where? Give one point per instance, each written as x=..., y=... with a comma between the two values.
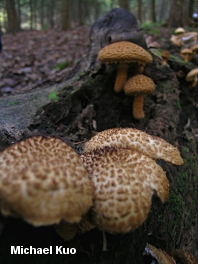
x=152, y=146
x=123, y=53
x=124, y=182
x=139, y=86
x=43, y=180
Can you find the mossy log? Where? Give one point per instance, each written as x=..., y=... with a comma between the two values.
x=86, y=104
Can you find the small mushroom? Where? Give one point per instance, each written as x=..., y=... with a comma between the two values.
x=123, y=53
x=139, y=86
x=160, y=255
x=124, y=181
x=179, y=31
x=194, y=48
x=192, y=77
x=165, y=56
x=184, y=256
x=186, y=54
x=152, y=146
x=43, y=180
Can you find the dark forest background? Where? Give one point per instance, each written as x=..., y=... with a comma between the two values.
x=16, y=15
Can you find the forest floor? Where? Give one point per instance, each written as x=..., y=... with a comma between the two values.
x=34, y=58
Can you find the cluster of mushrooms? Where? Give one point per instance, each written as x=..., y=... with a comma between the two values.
x=125, y=54
x=188, y=41
x=109, y=186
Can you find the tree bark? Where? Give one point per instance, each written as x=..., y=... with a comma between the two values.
x=124, y=4
x=139, y=15
x=65, y=15
x=153, y=14
x=13, y=21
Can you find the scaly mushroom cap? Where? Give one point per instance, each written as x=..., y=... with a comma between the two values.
x=139, y=85
x=43, y=181
x=124, y=51
x=152, y=146
x=124, y=182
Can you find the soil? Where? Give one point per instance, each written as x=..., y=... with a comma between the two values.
x=87, y=105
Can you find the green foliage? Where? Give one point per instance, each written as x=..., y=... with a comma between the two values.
x=62, y=65
x=53, y=96
x=151, y=28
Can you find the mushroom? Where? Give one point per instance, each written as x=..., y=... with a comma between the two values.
x=179, y=31
x=123, y=53
x=152, y=146
x=160, y=255
x=124, y=181
x=139, y=86
x=68, y=231
x=194, y=48
x=192, y=77
x=43, y=180
x=186, y=54
x=184, y=256
x=165, y=56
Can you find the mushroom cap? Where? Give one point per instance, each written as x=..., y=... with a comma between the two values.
x=191, y=75
x=152, y=146
x=160, y=255
x=139, y=85
x=194, y=48
x=186, y=51
x=179, y=30
x=124, y=51
x=165, y=54
x=124, y=182
x=43, y=181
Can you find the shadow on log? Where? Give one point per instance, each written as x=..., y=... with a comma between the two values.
x=87, y=104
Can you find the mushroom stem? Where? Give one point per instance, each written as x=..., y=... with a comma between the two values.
x=121, y=77
x=138, y=103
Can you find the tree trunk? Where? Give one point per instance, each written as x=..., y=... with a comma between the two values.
x=139, y=15
x=177, y=15
x=13, y=22
x=65, y=15
x=124, y=4
x=42, y=8
x=190, y=8
x=153, y=15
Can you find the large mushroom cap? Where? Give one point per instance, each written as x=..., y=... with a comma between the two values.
x=124, y=182
x=186, y=54
x=43, y=180
x=139, y=85
x=152, y=146
x=124, y=51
